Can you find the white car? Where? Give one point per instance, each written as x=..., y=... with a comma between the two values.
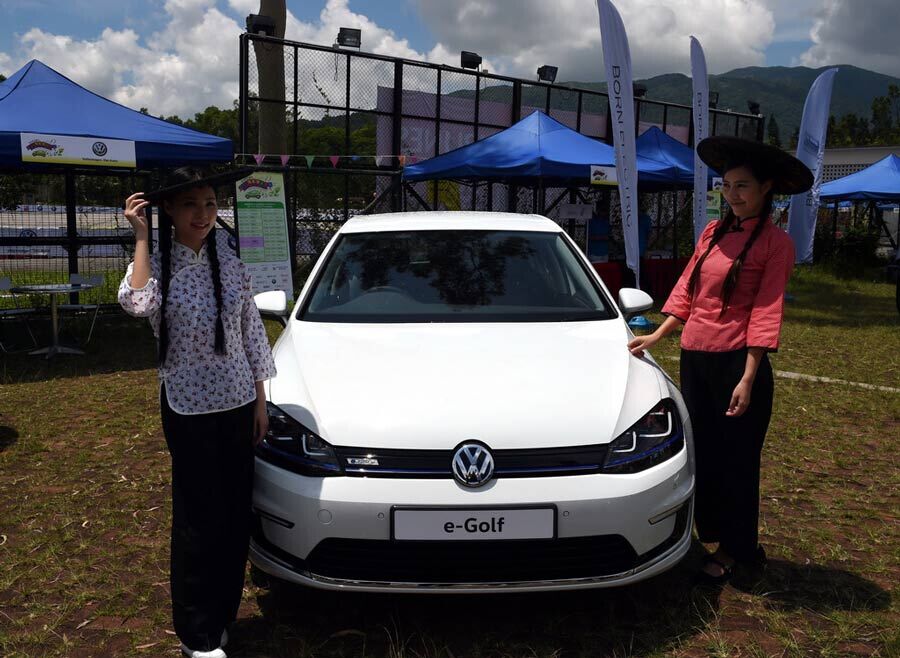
x=456, y=410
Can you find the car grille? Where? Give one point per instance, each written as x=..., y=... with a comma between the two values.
x=578, y=460
x=468, y=562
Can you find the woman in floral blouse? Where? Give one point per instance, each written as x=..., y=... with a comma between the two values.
x=730, y=299
x=214, y=358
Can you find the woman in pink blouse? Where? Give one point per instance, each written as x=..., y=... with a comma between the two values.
x=730, y=299
x=213, y=360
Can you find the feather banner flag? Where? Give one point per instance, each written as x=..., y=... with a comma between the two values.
x=701, y=130
x=617, y=60
x=810, y=151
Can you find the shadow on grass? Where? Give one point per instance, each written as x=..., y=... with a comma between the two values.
x=640, y=619
x=8, y=436
x=841, y=303
x=120, y=343
x=789, y=586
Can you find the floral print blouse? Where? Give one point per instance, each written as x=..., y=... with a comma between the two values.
x=197, y=379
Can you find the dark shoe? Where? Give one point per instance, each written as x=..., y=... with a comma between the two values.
x=707, y=579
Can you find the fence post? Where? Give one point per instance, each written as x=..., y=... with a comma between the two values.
x=396, y=134
x=71, y=229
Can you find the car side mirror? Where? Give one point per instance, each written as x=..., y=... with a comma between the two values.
x=633, y=301
x=272, y=304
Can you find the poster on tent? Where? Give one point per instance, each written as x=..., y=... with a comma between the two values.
x=262, y=227
x=86, y=151
x=602, y=175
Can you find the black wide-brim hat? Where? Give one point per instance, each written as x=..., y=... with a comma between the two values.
x=214, y=180
x=788, y=174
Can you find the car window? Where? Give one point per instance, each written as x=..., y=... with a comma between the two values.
x=454, y=276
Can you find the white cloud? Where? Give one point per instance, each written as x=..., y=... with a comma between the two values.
x=845, y=33
x=520, y=35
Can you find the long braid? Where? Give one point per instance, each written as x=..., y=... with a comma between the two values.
x=735, y=269
x=165, y=255
x=213, y=254
x=720, y=231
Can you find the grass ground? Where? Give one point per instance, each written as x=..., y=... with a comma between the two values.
x=84, y=518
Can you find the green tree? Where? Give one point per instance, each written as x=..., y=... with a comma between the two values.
x=773, y=134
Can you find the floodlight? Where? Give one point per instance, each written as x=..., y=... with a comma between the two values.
x=547, y=73
x=349, y=37
x=469, y=60
x=258, y=24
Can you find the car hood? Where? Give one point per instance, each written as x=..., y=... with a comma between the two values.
x=433, y=386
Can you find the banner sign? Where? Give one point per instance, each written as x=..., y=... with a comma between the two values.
x=701, y=130
x=617, y=60
x=810, y=151
x=262, y=227
x=713, y=199
x=601, y=175
x=85, y=151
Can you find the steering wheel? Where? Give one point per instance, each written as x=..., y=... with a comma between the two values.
x=395, y=289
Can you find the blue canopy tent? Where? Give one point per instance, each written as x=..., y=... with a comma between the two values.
x=877, y=182
x=537, y=148
x=51, y=125
x=37, y=99
x=672, y=162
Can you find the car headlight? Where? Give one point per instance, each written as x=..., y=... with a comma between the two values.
x=292, y=446
x=655, y=438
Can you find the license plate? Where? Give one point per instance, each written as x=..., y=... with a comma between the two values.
x=468, y=524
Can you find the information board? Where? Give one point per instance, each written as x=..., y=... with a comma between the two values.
x=262, y=227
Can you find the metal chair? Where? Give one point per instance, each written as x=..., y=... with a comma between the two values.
x=95, y=280
x=17, y=312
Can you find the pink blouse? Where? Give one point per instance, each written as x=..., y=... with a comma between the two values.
x=197, y=379
x=756, y=309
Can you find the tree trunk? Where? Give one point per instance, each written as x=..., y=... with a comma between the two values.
x=270, y=68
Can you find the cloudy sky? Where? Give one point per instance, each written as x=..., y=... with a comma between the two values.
x=178, y=56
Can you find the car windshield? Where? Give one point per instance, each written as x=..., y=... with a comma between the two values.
x=454, y=276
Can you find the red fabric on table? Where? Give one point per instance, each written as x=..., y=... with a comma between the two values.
x=611, y=273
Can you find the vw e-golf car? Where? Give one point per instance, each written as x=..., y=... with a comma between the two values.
x=456, y=410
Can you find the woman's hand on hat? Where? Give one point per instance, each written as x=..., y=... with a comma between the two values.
x=134, y=213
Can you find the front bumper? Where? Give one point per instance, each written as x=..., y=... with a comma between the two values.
x=334, y=533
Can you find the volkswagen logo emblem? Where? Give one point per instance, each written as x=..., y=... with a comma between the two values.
x=473, y=465
x=99, y=149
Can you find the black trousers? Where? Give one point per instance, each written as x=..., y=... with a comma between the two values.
x=212, y=484
x=727, y=449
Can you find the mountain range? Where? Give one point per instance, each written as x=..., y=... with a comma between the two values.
x=779, y=90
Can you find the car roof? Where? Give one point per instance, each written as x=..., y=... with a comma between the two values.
x=444, y=221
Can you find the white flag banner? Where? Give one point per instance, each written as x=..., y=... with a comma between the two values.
x=701, y=131
x=810, y=150
x=617, y=60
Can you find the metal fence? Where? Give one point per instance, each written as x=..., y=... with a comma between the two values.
x=345, y=123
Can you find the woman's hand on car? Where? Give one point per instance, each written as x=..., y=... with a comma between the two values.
x=640, y=343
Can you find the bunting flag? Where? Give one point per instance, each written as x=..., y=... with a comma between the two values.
x=259, y=157
x=309, y=160
x=617, y=60
x=701, y=130
x=379, y=160
x=402, y=160
x=334, y=160
x=810, y=151
x=284, y=160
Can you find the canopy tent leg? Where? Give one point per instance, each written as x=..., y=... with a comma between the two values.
x=834, y=218
x=415, y=195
